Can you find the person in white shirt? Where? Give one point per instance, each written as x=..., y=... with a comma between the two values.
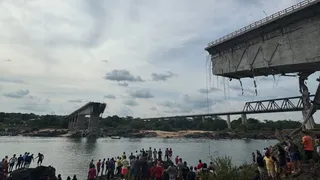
x=12, y=162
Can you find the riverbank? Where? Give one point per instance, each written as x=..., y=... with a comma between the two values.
x=148, y=134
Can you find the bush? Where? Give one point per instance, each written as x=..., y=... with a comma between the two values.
x=226, y=170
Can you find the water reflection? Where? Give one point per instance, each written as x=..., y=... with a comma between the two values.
x=90, y=145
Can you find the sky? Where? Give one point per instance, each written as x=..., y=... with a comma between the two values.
x=143, y=58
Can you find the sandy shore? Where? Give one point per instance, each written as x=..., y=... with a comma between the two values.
x=164, y=134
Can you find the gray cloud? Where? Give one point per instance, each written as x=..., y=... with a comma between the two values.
x=126, y=111
x=33, y=108
x=7, y=60
x=142, y=93
x=198, y=102
x=110, y=96
x=161, y=76
x=123, y=84
x=10, y=80
x=153, y=109
x=75, y=101
x=189, y=104
x=210, y=90
x=245, y=90
x=122, y=75
x=17, y=94
x=104, y=61
x=36, y=104
x=130, y=102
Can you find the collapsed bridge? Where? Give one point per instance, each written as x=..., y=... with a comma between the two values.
x=284, y=42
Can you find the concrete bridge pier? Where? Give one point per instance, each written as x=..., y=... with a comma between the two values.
x=81, y=122
x=93, y=123
x=306, y=99
x=244, y=119
x=228, y=121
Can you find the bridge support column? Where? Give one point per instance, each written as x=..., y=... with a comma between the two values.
x=69, y=124
x=244, y=119
x=81, y=122
x=306, y=99
x=93, y=123
x=228, y=122
x=203, y=119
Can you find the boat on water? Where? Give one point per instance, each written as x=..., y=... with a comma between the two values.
x=115, y=137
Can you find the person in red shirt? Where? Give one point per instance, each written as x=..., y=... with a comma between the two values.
x=6, y=165
x=200, y=165
x=177, y=160
x=170, y=153
x=98, y=166
x=307, y=142
x=152, y=172
x=92, y=174
x=158, y=171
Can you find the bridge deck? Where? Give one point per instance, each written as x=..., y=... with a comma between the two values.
x=265, y=21
x=254, y=107
x=85, y=107
x=285, y=42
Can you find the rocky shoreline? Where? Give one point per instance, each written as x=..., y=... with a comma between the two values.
x=147, y=134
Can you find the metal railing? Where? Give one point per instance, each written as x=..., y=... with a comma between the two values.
x=262, y=21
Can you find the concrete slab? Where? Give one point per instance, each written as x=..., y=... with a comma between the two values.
x=288, y=44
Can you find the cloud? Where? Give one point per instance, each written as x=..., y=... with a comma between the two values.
x=110, y=96
x=161, y=76
x=123, y=84
x=36, y=104
x=153, y=109
x=75, y=101
x=210, y=90
x=11, y=80
x=130, y=102
x=122, y=75
x=61, y=55
x=188, y=104
x=7, y=60
x=239, y=88
x=125, y=111
x=141, y=93
x=17, y=94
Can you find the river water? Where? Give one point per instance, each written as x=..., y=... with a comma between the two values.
x=72, y=156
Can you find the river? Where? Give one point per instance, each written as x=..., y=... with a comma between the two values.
x=72, y=156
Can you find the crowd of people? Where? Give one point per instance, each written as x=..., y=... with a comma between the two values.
x=152, y=164
x=23, y=161
x=146, y=165
x=286, y=160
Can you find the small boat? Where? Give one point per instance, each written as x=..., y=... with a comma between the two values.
x=115, y=137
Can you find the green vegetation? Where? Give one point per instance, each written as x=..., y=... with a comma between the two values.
x=31, y=120
x=225, y=170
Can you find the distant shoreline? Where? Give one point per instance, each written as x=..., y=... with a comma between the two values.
x=175, y=134
x=200, y=134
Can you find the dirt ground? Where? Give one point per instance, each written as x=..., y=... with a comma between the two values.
x=164, y=134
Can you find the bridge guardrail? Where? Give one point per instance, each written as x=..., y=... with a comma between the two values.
x=261, y=22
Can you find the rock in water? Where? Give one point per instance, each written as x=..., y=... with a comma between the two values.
x=38, y=173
